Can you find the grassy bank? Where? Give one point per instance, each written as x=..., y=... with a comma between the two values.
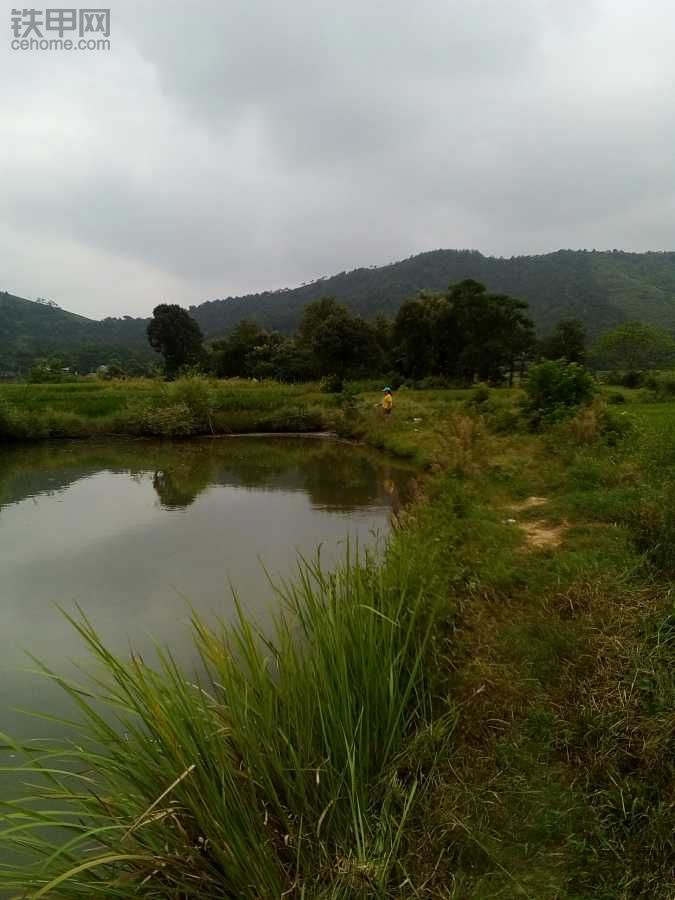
x=198, y=406
x=146, y=407
x=488, y=713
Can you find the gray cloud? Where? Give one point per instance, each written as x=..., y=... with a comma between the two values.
x=221, y=148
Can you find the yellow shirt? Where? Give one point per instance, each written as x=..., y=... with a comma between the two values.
x=387, y=401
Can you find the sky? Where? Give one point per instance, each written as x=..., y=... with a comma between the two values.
x=233, y=146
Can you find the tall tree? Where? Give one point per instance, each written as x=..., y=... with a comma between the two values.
x=232, y=354
x=175, y=334
x=567, y=341
x=634, y=347
x=340, y=343
x=464, y=334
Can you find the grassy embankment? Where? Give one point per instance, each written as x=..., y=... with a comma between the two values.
x=197, y=406
x=487, y=714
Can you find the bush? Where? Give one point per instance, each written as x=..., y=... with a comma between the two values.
x=504, y=419
x=555, y=389
x=175, y=420
x=616, y=398
x=632, y=380
x=597, y=421
x=480, y=395
x=194, y=393
x=332, y=384
x=661, y=389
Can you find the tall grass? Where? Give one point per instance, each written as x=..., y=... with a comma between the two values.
x=145, y=407
x=272, y=776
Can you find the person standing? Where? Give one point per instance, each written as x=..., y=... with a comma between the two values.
x=387, y=401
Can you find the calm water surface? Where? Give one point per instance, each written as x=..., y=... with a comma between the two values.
x=132, y=531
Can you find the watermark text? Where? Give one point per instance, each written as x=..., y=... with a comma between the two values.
x=51, y=29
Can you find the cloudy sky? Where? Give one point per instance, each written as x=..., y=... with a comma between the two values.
x=231, y=146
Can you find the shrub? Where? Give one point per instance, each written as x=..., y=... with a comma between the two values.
x=480, y=395
x=504, y=419
x=555, y=389
x=332, y=384
x=194, y=393
x=660, y=389
x=174, y=420
x=596, y=421
x=632, y=380
x=616, y=398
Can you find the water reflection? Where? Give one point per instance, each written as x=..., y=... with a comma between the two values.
x=131, y=530
x=334, y=476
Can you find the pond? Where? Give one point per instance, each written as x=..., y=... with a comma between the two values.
x=134, y=532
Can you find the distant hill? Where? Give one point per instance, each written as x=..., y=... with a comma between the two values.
x=600, y=288
x=30, y=330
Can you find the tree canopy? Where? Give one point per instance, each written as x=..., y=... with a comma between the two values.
x=175, y=334
x=634, y=347
x=464, y=334
x=567, y=341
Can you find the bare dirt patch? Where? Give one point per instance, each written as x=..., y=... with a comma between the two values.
x=530, y=503
x=541, y=535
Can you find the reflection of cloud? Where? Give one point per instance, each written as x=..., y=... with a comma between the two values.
x=95, y=508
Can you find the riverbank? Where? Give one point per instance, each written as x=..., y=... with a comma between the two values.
x=486, y=714
x=193, y=407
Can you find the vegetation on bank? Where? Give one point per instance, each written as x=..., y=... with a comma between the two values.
x=150, y=407
x=198, y=406
x=486, y=713
x=603, y=289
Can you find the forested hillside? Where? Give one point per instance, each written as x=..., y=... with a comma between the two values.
x=600, y=288
x=32, y=330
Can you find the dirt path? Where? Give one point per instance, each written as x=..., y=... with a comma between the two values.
x=539, y=534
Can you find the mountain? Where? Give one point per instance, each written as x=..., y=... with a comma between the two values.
x=30, y=330
x=600, y=288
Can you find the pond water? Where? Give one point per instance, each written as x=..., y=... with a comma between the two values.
x=134, y=531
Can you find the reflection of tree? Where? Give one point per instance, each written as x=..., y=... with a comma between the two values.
x=334, y=476
x=178, y=486
x=339, y=480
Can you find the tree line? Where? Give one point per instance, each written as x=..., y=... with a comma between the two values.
x=461, y=335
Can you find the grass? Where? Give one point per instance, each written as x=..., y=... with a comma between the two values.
x=198, y=406
x=261, y=777
x=474, y=717
x=145, y=407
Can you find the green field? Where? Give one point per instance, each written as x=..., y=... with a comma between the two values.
x=488, y=713
x=198, y=406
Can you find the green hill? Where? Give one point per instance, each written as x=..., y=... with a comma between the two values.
x=600, y=288
x=31, y=330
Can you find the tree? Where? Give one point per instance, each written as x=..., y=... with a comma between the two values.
x=422, y=337
x=315, y=314
x=175, y=334
x=492, y=331
x=634, y=347
x=233, y=352
x=464, y=334
x=567, y=341
x=555, y=388
x=340, y=343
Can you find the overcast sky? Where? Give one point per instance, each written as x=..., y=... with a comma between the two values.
x=232, y=146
